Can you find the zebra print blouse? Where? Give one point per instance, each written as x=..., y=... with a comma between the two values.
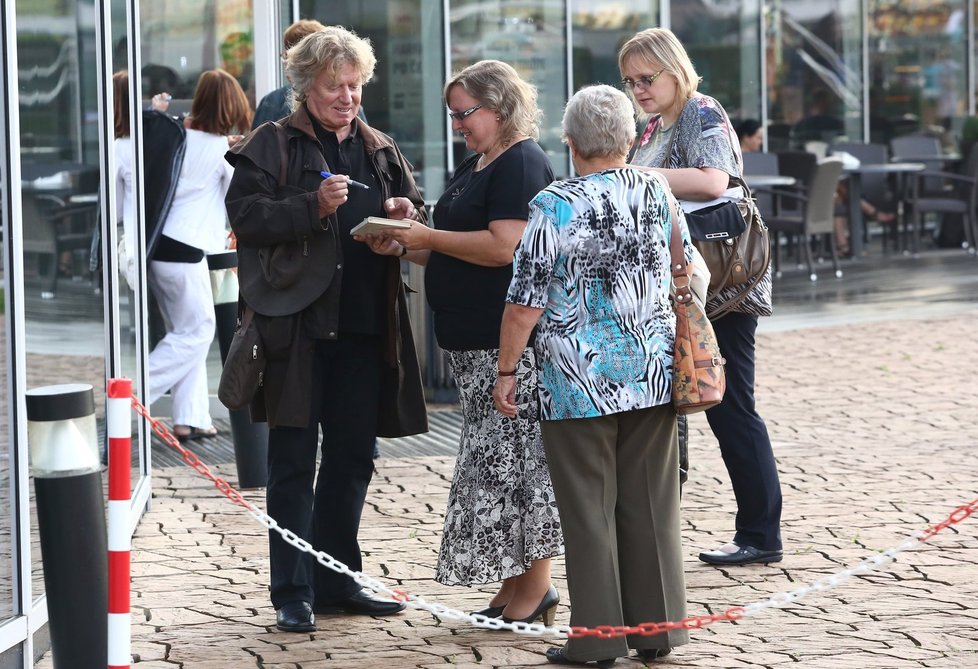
x=595, y=258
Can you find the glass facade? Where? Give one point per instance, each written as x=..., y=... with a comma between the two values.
x=814, y=63
x=530, y=36
x=918, y=69
x=723, y=41
x=811, y=70
x=7, y=538
x=181, y=38
x=598, y=29
x=63, y=306
x=404, y=97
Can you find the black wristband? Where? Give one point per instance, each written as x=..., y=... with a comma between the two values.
x=502, y=373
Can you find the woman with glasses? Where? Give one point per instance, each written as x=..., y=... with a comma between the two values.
x=501, y=523
x=690, y=141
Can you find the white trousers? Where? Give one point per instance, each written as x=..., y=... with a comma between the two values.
x=178, y=363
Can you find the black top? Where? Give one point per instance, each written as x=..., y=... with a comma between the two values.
x=362, y=296
x=468, y=299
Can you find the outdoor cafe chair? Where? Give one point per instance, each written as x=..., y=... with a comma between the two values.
x=52, y=229
x=766, y=164
x=874, y=186
x=814, y=218
x=959, y=197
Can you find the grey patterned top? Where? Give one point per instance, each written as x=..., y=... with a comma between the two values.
x=704, y=138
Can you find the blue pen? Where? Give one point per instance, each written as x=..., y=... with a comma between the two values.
x=327, y=175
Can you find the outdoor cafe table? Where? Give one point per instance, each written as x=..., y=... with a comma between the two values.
x=935, y=158
x=768, y=180
x=857, y=232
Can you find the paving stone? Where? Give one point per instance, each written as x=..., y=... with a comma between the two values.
x=868, y=453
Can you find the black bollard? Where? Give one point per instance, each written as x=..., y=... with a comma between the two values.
x=65, y=464
x=250, y=439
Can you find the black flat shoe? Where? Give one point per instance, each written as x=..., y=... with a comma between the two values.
x=547, y=609
x=743, y=555
x=490, y=611
x=652, y=654
x=361, y=604
x=557, y=656
x=295, y=617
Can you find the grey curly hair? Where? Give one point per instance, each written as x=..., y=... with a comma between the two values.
x=598, y=119
x=329, y=49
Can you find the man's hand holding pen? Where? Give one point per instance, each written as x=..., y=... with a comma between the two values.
x=332, y=192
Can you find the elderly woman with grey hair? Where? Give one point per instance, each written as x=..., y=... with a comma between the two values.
x=332, y=314
x=592, y=275
x=501, y=523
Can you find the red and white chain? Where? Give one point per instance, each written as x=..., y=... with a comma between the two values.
x=537, y=629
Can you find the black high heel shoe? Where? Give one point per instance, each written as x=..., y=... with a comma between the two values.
x=547, y=609
x=490, y=611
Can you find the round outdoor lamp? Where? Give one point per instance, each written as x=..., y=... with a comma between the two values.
x=65, y=464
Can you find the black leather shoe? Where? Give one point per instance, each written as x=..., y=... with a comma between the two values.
x=490, y=611
x=558, y=656
x=295, y=617
x=743, y=555
x=546, y=610
x=652, y=654
x=361, y=604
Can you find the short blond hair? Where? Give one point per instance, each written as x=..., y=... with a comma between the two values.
x=499, y=87
x=331, y=49
x=661, y=47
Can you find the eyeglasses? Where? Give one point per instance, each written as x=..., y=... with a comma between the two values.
x=643, y=81
x=458, y=116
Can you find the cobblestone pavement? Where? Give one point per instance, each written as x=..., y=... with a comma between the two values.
x=875, y=429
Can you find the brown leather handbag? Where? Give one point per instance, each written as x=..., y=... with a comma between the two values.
x=734, y=242
x=698, y=380
x=732, y=237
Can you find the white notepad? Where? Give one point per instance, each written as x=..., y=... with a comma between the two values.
x=374, y=225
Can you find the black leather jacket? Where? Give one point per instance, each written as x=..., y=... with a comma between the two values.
x=164, y=143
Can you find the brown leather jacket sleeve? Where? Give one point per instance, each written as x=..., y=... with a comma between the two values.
x=261, y=212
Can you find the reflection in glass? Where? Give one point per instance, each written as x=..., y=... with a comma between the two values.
x=404, y=98
x=722, y=40
x=530, y=36
x=6, y=538
x=58, y=115
x=599, y=29
x=917, y=56
x=814, y=71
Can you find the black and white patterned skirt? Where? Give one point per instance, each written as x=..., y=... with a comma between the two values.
x=501, y=511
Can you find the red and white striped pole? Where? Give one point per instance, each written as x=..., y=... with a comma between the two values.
x=118, y=418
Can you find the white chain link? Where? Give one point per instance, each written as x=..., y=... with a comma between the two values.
x=833, y=580
x=410, y=600
x=537, y=629
x=694, y=622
